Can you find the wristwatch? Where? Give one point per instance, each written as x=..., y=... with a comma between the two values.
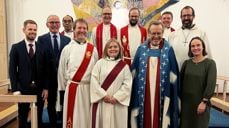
x=205, y=101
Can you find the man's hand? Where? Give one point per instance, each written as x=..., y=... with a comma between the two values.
x=44, y=94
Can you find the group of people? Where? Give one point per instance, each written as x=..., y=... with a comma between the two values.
x=140, y=78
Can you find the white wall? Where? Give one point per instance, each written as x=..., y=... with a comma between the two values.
x=211, y=15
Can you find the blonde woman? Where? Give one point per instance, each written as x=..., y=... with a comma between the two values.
x=111, y=83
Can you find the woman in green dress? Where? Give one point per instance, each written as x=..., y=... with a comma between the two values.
x=198, y=80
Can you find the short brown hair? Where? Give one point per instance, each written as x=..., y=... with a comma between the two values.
x=80, y=20
x=29, y=22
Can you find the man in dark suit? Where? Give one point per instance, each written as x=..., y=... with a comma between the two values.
x=29, y=72
x=54, y=42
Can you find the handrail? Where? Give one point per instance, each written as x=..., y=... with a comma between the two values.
x=23, y=99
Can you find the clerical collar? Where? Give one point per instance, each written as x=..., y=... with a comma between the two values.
x=81, y=43
x=188, y=27
x=111, y=58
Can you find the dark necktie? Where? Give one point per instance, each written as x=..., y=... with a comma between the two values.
x=31, y=51
x=56, y=48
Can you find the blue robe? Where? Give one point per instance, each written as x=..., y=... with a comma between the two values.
x=169, y=84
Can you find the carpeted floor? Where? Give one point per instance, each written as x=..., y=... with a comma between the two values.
x=218, y=119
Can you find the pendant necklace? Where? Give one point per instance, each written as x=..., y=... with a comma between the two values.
x=186, y=37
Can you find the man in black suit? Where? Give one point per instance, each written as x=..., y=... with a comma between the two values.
x=54, y=42
x=29, y=72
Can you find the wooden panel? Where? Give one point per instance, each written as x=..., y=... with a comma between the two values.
x=8, y=114
x=18, y=98
x=3, y=43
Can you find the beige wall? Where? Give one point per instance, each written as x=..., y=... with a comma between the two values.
x=3, y=43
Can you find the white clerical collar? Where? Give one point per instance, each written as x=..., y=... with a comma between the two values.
x=80, y=43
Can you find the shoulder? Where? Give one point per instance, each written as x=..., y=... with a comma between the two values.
x=65, y=38
x=210, y=61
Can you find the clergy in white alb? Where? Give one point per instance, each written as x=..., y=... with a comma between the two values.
x=111, y=115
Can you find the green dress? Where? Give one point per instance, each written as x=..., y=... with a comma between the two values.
x=197, y=82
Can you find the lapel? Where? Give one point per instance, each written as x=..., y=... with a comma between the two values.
x=62, y=42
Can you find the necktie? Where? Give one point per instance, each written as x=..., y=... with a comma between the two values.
x=31, y=51
x=55, y=42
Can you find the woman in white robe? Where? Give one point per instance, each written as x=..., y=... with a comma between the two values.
x=112, y=110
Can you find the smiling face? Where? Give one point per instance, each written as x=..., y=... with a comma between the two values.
x=187, y=17
x=166, y=19
x=155, y=34
x=30, y=31
x=80, y=31
x=113, y=49
x=134, y=17
x=196, y=47
x=53, y=23
x=106, y=15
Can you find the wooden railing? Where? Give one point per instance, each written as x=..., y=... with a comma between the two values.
x=221, y=103
x=23, y=99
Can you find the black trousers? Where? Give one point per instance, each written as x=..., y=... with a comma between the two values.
x=52, y=97
x=24, y=108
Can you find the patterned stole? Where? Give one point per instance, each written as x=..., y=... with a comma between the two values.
x=75, y=82
x=106, y=84
x=125, y=42
x=99, y=37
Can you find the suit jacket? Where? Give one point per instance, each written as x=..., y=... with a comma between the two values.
x=20, y=68
x=46, y=41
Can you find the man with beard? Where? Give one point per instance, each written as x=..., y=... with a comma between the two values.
x=28, y=70
x=76, y=62
x=103, y=31
x=132, y=35
x=54, y=42
x=154, y=100
x=166, y=19
x=180, y=38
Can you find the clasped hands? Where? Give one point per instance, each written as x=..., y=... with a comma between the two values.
x=110, y=99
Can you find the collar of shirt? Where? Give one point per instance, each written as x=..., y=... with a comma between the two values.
x=58, y=38
x=27, y=45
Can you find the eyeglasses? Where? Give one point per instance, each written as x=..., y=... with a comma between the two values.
x=188, y=16
x=156, y=33
x=107, y=14
x=54, y=22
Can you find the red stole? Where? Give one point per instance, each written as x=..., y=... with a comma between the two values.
x=99, y=37
x=106, y=84
x=125, y=42
x=147, y=104
x=172, y=29
x=73, y=85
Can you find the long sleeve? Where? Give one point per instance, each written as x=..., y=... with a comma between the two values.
x=63, y=65
x=211, y=80
x=13, y=64
x=97, y=93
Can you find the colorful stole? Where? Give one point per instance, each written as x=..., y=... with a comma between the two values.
x=106, y=84
x=74, y=84
x=99, y=37
x=125, y=42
